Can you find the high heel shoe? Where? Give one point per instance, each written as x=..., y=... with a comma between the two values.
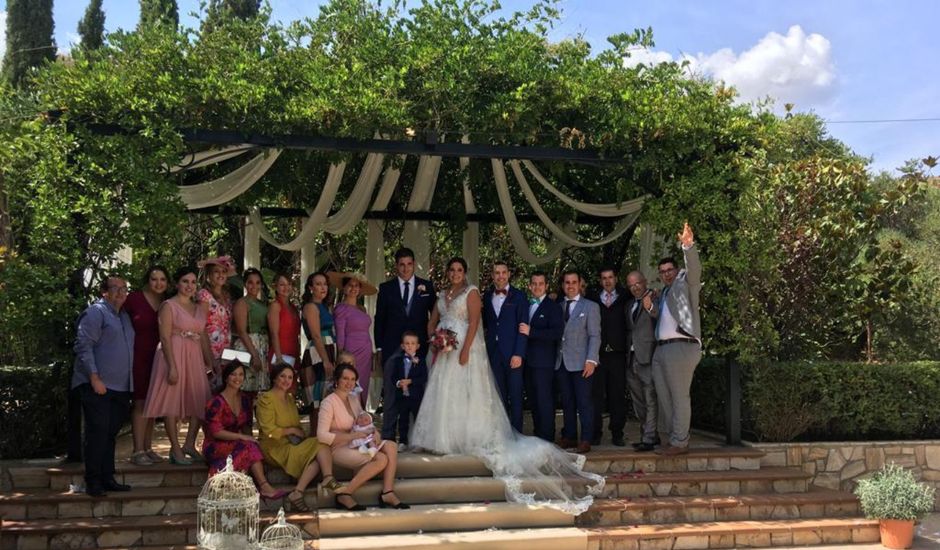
x=194, y=454
x=278, y=495
x=297, y=504
x=400, y=506
x=354, y=508
x=329, y=484
x=180, y=461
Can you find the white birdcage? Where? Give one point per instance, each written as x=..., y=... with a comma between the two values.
x=227, y=512
x=281, y=535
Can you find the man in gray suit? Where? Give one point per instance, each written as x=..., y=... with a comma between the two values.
x=641, y=314
x=678, y=342
x=577, y=358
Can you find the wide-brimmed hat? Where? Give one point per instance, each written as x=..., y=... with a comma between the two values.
x=225, y=261
x=366, y=288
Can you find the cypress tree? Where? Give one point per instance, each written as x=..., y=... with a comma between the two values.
x=91, y=27
x=29, y=38
x=220, y=11
x=158, y=12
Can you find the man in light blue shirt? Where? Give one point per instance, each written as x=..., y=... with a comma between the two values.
x=104, y=358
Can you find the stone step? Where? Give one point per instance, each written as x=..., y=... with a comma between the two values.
x=569, y=538
x=122, y=532
x=411, y=465
x=48, y=503
x=660, y=510
x=430, y=518
x=735, y=534
x=727, y=482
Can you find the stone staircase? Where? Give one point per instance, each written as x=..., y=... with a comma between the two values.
x=713, y=497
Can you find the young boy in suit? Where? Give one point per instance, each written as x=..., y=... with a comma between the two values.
x=409, y=377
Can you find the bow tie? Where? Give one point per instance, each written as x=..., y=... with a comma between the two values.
x=497, y=291
x=533, y=301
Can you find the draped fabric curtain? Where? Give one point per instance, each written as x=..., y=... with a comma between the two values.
x=240, y=180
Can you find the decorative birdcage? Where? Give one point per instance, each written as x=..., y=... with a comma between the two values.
x=281, y=535
x=227, y=512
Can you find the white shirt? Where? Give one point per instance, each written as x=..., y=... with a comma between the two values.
x=498, y=300
x=668, y=326
x=612, y=295
x=535, y=306
x=411, y=287
x=567, y=307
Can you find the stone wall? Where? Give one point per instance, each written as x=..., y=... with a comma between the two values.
x=840, y=465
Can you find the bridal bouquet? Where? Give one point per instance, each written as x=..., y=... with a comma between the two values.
x=444, y=340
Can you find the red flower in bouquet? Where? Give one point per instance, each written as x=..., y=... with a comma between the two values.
x=444, y=340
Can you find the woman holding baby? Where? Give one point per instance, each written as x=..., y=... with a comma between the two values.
x=338, y=414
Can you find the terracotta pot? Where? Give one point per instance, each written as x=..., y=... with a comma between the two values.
x=897, y=533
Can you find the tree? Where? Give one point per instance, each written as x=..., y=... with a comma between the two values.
x=220, y=11
x=29, y=38
x=158, y=12
x=91, y=26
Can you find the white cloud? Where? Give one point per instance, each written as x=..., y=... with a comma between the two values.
x=792, y=68
x=3, y=34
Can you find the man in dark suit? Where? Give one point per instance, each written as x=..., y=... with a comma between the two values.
x=610, y=377
x=641, y=315
x=404, y=303
x=505, y=310
x=577, y=359
x=409, y=377
x=544, y=329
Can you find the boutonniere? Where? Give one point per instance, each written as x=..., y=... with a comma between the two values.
x=422, y=288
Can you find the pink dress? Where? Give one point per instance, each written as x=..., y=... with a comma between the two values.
x=353, y=335
x=218, y=322
x=189, y=395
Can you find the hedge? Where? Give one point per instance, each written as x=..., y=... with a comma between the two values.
x=33, y=410
x=814, y=401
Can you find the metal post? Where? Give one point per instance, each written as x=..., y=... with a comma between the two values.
x=733, y=407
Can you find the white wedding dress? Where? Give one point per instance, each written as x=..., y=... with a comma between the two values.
x=462, y=414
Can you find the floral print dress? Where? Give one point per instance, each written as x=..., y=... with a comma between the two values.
x=218, y=322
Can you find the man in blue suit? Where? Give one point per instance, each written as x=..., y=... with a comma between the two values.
x=505, y=310
x=404, y=303
x=544, y=330
x=577, y=359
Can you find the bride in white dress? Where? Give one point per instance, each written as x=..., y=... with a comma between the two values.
x=462, y=414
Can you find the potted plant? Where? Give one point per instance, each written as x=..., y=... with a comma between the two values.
x=896, y=499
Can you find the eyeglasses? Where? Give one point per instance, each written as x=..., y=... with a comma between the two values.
x=118, y=289
x=636, y=285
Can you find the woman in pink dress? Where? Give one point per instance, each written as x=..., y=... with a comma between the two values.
x=353, y=325
x=178, y=384
x=142, y=306
x=218, y=300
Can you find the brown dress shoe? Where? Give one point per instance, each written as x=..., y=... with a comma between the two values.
x=566, y=443
x=583, y=447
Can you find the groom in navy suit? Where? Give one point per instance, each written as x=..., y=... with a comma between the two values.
x=544, y=330
x=404, y=303
x=505, y=310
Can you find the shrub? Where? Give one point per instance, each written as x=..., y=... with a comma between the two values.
x=33, y=409
x=825, y=400
x=893, y=493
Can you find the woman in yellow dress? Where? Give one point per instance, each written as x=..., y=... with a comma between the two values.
x=285, y=444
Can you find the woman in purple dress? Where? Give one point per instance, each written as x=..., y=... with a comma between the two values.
x=353, y=325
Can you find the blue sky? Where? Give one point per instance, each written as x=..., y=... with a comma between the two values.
x=847, y=60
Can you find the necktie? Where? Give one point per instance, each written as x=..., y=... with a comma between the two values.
x=608, y=298
x=662, y=303
x=405, y=296
x=568, y=309
x=636, y=311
